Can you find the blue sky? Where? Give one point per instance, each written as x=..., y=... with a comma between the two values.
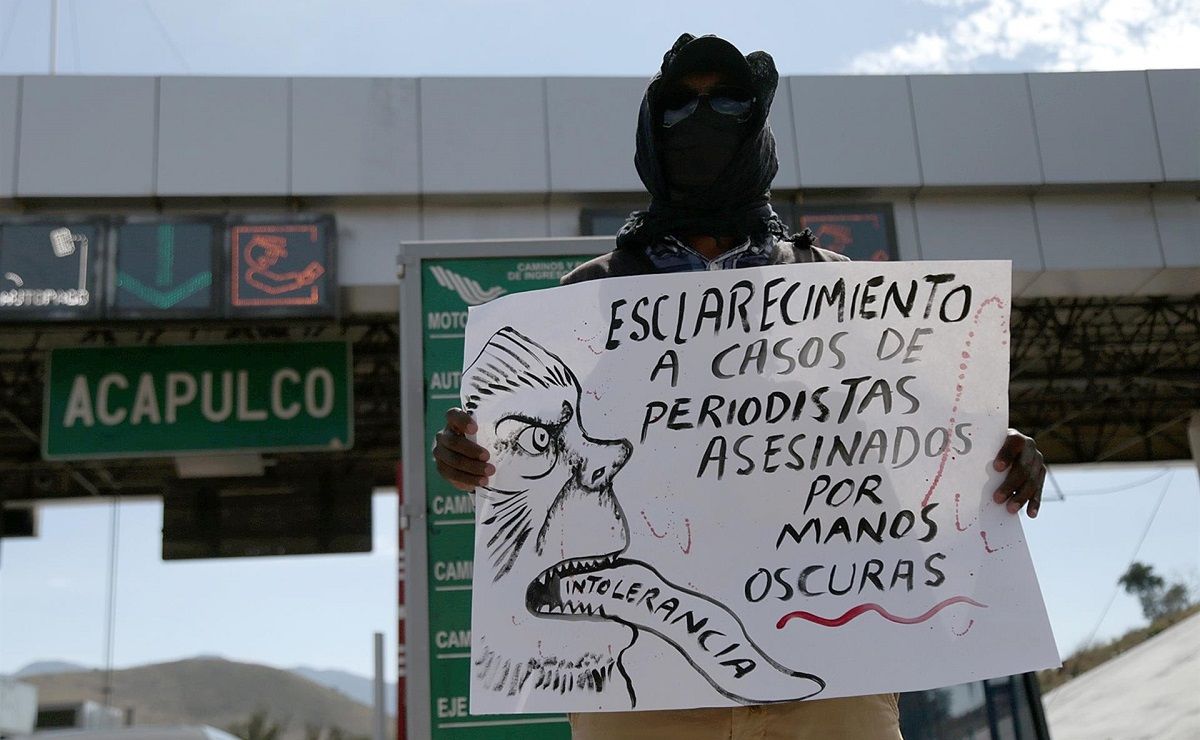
x=322, y=611
x=319, y=611
x=1082, y=543
x=616, y=37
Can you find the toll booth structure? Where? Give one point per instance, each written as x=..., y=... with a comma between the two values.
x=148, y=215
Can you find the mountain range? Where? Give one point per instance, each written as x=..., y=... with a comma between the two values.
x=359, y=688
x=217, y=692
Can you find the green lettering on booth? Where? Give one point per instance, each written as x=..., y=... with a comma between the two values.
x=168, y=400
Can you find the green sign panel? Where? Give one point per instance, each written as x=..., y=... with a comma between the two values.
x=166, y=269
x=448, y=287
x=169, y=400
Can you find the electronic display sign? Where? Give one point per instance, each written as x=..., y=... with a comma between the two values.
x=861, y=232
x=166, y=269
x=282, y=269
x=236, y=517
x=48, y=269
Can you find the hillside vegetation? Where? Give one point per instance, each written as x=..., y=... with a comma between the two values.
x=1085, y=659
x=215, y=692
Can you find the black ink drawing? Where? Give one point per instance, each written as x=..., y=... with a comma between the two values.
x=554, y=534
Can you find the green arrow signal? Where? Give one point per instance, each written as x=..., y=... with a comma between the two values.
x=166, y=254
x=164, y=295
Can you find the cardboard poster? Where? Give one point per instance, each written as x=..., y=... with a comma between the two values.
x=745, y=487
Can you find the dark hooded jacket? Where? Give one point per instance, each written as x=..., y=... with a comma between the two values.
x=736, y=204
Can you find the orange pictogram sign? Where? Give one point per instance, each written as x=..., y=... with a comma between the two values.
x=858, y=235
x=266, y=273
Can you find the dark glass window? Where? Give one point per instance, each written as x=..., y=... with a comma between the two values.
x=602, y=221
x=997, y=709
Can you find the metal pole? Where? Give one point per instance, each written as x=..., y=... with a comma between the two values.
x=53, y=37
x=401, y=616
x=110, y=617
x=1194, y=438
x=380, y=715
x=414, y=702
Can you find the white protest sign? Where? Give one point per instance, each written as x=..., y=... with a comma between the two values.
x=745, y=487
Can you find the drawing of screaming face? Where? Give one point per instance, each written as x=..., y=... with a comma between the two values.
x=550, y=538
x=549, y=511
x=552, y=477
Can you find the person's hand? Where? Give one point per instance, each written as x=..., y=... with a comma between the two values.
x=1019, y=455
x=459, y=460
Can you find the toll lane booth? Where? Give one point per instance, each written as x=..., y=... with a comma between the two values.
x=133, y=246
x=206, y=360
x=209, y=361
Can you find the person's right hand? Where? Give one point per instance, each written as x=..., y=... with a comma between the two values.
x=459, y=460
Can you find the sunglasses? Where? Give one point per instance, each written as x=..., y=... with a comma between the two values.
x=727, y=101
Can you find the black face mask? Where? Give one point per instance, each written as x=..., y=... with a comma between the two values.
x=699, y=148
x=711, y=179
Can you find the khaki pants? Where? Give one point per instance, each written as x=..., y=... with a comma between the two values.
x=852, y=718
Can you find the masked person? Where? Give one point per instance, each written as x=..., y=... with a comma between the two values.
x=706, y=154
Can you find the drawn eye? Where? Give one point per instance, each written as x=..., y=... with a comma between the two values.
x=534, y=440
x=526, y=447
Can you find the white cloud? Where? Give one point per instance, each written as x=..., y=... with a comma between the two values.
x=1047, y=35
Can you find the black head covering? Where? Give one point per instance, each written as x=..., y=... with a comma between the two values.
x=737, y=203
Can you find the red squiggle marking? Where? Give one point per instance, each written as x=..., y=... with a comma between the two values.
x=958, y=391
x=968, y=629
x=651, y=526
x=958, y=521
x=687, y=523
x=589, y=346
x=594, y=395
x=988, y=548
x=864, y=608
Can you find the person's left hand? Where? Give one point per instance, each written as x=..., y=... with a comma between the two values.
x=1019, y=455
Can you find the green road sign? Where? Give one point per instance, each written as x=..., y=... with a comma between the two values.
x=169, y=400
x=448, y=286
